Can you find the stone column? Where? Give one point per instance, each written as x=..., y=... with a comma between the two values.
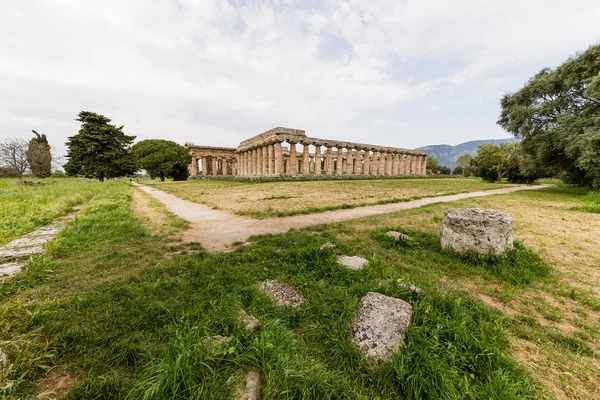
x=339, y=165
x=389, y=164
x=243, y=164
x=265, y=161
x=328, y=161
x=413, y=164
x=214, y=165
x=293, y=162
x=203, y=166
x=424, y=166
x=356, y=170
x=418, y=166
x=193, y=167
x=252, y=171
x=259, y=162
x=349, y=161
x=278, y=167
x=375, y=163
x=367, y=162
x=383, y=164
x=271, y=158
x=236, y=166
x=395, y=164
x=306, y=160
x=317, y=159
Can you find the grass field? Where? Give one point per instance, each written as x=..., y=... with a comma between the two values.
x=118, y=308
x=279, y=199
x=26, y=207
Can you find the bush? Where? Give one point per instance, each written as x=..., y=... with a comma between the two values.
x=8, y=172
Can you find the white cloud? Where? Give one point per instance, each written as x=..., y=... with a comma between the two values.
x=216, y=73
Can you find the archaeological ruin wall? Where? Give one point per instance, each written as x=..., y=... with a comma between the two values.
x=275, y=153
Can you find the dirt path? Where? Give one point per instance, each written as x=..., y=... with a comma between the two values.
x=217, y=230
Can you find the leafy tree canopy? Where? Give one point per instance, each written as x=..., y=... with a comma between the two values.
x=100, y=150
x=162, y=158
x=557, y=114
x=492, y=160
x=431, y=165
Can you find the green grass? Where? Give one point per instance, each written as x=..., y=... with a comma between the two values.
x=590, y=203
x=25, y=208
x=108, y=306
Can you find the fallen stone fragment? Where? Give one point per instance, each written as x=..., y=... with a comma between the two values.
x=248, y=320
x=11, y=268
x=213, y=343
x=380, y=324
x=3, y=358
x=28, y=241
x=249, y=388
x=282, y=293
x=327, y=246
x=19, y=252
x=352, y=262
x=476, y=230
x=407, y=286
x=398, y=236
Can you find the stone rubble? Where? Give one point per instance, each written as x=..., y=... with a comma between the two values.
x=380, y=325
x=409, y=287
x=282, y=293
x=249, y=388
x=398, y=236
x=327, y=246
x=248, y=320
x=352, y=262
x=11, y=268
x=475, y=230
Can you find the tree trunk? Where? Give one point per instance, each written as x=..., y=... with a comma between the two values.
x=162, y=177
x=500, y=175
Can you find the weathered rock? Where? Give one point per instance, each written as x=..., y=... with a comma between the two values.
x=28, y=241
x=352, y=262
x=249, y=388
x=215, y=343
x=476, y=230
x=380, y=324
x=3, y=358
x=409, y=287
x=11, y=268
x=282, y=293
x=19, y=252
x=248, y=320
x=327, y=246
x=398, y=236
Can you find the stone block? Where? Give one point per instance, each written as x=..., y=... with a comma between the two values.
x=352, y=262
x=248, y=320
x=398, y=236
x=11, y=268
x=282, y=293
x=249, y=388
x=380, y=325
x=327, y=246
x=485, y=232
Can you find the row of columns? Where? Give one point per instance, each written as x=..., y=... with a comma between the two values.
x=269, y=160
x=212, y=166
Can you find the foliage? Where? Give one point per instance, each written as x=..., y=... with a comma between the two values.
x=465, y=162
x=39, y=156
x=162, y=158
x=492, y=160
x=100, y=150
x=444, y=170
x=557, y=115
x=458, y=171
x=6, y=172
x=13, y=155
x=590, y=203
x=432, y=166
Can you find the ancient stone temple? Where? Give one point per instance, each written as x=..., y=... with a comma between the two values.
x=289, y=152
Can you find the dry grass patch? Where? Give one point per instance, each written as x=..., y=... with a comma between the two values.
x=55, y=384
x=273, y=199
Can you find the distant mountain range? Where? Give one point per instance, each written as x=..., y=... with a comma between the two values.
x=447, y=155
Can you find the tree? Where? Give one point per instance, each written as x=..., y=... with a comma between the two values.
x=100, y=150
x=557, y=115
x=465, y=163
x=39, y=156
x=162, y=158
x=458, y=171
x=492, y=160
x=431, y=165
x=13, y=155
x=444, y=170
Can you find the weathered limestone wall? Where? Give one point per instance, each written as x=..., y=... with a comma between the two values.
x=265, y=155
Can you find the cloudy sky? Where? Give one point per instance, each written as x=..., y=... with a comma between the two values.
x=402, y=73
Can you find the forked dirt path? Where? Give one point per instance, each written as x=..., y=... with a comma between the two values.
x=217, y=230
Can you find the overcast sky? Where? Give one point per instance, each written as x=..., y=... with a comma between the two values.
x=215, y=72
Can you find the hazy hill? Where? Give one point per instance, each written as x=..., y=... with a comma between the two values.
x=447, y=155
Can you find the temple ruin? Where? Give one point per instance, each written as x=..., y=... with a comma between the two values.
x=274, y=153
